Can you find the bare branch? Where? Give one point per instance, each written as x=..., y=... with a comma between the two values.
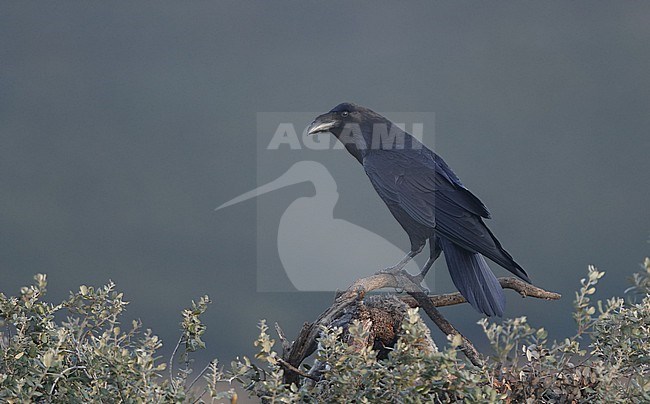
x=171, y=359
x=524, y=289
x=201, y=373
x=294, y=369
x=305, y=343
x=286, y=345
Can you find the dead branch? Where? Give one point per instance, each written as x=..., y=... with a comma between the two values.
x=524, y=289
x=291, y=368
x=286, y=346
x=305, y=343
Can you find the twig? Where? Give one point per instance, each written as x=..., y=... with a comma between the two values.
x=61, y=375
x=196, y=400
x=294, y=369
x=199, y=375
x=171, y=360
x=286, y=345
x=524, y=289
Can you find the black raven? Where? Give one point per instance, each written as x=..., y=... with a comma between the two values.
x=427, y=199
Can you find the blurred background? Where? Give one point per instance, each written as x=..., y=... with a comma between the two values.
x=123, y=125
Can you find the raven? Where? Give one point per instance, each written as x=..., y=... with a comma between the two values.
x=427, y=199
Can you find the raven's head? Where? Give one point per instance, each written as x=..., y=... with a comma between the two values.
x=351, y=124
x=342, y=115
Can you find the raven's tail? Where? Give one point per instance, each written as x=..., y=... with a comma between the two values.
x=474, y=279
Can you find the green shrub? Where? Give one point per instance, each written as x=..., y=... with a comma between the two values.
x=89, y=357
x=607, y=360
x=413, y=372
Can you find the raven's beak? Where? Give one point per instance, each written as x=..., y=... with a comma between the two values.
x=321, y=124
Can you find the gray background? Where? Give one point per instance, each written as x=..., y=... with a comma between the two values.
x=123, y=125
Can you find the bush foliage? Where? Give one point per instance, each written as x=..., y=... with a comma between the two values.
x=91, y=357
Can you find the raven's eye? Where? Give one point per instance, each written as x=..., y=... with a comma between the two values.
x=345, y=113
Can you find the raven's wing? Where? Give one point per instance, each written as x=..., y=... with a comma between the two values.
x=414, y=180
x=422, y=184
